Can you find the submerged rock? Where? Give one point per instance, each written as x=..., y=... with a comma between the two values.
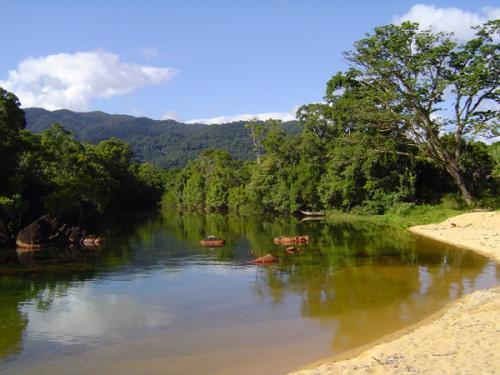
x=266, y=259
x=292, y=250
x=295, y=240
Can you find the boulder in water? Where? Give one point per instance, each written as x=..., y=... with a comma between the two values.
x=46, y=231
x=38, y=234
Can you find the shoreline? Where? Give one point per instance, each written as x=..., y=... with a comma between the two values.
x=476, y=231
x=409, y=349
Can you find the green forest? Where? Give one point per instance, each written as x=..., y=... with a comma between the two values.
x=52, y=172
x=398, y=128
x=166, y=143
x=395, y=130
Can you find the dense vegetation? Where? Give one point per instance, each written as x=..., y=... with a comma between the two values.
x=167, y=144
x=52, y=172
x=396, y=129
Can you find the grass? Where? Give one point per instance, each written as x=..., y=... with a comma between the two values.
x=404, y=215
x=419, y=215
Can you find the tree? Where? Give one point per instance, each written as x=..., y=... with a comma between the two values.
x=12, y=121
x=258, y=133
x=419, y=84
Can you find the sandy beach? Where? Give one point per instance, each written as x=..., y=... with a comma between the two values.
x=478, y=231
x=464, y=339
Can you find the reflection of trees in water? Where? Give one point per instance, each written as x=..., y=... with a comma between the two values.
x=41, y=276
x=12, y=321
x=353, y=272
x=370, y=296
x=34, y=288
x=256, y=234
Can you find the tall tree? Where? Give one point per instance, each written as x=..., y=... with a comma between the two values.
x=12, y=121
x=425, y=84
x=258, y=133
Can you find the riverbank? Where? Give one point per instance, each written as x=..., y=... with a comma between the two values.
x=477, y=231
x=465, y=339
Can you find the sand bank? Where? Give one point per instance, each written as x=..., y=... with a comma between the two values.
x=465, y=340
x=478, y=231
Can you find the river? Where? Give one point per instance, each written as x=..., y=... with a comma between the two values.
x=152, y=300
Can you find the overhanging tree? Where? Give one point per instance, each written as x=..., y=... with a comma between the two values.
x=423, y=85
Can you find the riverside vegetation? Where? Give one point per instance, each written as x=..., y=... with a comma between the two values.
x=396, y=131
x=52, y=172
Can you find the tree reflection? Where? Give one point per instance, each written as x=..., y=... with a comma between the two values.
x=381, y=291
x=356, y=278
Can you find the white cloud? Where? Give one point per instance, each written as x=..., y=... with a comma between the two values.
x=84, y=314
x=170, y=115
x=450, y=19
x=284, y=116
x=71, y=81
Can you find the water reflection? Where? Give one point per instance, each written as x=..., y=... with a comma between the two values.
x=87, y=313
x=12, y=321
x=357, y=281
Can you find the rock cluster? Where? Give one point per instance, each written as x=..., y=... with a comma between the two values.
x=47, y=231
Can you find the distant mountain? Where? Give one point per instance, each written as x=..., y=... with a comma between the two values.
x=167, y=143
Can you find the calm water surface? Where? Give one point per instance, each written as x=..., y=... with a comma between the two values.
x=151, y=300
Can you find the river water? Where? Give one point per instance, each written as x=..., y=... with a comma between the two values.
x=152, y=300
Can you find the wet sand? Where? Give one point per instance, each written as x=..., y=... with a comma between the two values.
x=462, y=339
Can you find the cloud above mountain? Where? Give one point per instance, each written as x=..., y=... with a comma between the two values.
x=72, y=81
x=283, y=116
x=449, y=19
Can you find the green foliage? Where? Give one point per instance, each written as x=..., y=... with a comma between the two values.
x=205, y=183
x=494, y=151
x=53, y=172
x=12, y=121
x=398, y=82
x=408, y=214
x=84, y=179
x=296, y=172
x=238, y=201
x=168, y=144
x=12, y=210
x=379, y=144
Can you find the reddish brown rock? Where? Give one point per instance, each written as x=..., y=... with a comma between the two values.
x=266, y=259
x=292, y=250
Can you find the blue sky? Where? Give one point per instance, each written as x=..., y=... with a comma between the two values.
x=193, y=59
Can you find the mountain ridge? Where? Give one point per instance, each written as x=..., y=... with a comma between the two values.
x=167, y=143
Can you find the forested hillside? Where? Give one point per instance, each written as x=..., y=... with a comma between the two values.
x=166, y=143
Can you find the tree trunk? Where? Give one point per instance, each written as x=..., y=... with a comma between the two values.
x=453, y=169
x=256, y=145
